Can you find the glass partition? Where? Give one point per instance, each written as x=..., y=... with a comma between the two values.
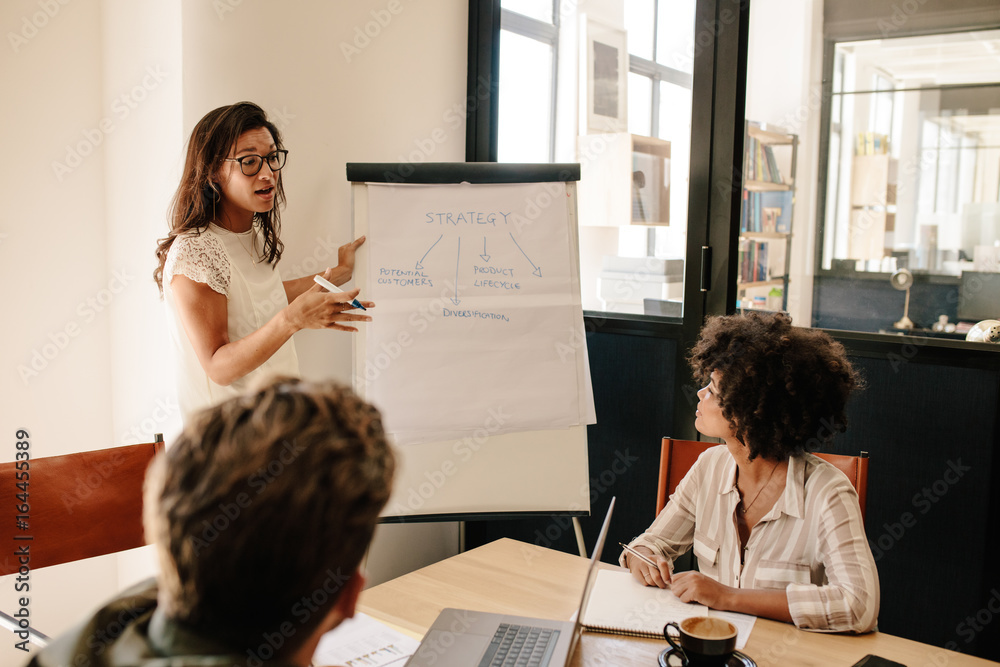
x=917, y=154
x=913, y=174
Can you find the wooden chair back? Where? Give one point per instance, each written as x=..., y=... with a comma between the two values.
x=78, y=505
x=856, y=469
x=677, y=457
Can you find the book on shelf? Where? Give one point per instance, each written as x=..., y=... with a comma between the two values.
x=753, y=261
x=871, y=143
x=761, y=261
x=760, y=163
x=770, y=215
x=766, y=211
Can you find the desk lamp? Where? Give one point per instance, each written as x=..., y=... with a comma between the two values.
x=903, y=280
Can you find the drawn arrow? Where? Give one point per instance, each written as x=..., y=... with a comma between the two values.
x=538, y=270
x=458, y=256
x=485, y=257
x=419, y=264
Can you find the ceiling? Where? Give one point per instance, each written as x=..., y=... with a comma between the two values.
x=948, y=59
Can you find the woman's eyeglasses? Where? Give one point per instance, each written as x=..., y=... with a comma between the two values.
x=250, y=165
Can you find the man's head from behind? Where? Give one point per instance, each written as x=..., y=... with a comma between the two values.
x=263, y=509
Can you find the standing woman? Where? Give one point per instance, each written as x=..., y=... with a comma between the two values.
x=231, y=315
x=777, y=531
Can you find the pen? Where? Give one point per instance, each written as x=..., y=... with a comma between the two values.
x=638, y=555
x=330, y=287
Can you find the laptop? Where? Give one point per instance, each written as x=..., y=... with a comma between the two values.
x=464, y=638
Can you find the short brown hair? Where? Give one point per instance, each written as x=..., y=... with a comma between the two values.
x=783, y=389
x=264, y=507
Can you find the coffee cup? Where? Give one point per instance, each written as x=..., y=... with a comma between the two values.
x=702, y=640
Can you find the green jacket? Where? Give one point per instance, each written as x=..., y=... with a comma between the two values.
x=129, y=632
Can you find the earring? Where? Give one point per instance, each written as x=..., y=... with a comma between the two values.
x=210, y=192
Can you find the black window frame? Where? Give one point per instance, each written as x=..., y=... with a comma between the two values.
x=719, y=85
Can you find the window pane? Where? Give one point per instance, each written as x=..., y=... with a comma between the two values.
x=632, y=196
x=640, y=104
x=912, y=182
x=639, y=24
x=947, y=172
x=536, y=9
x=881, y=110
x=928, y=171
x=675, y=35
x=675, y=127
x=833, y=178
x=525, y=99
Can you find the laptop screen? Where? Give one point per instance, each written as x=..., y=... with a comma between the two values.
x=595, y=558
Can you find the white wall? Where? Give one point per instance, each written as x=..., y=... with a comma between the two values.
x=784, y=69
x=141, y=82
x=57, y=380
x=89, y=232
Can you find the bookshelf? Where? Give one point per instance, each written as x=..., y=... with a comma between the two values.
x=768, y=196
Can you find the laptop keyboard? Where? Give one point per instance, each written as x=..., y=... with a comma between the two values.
x=520, y=646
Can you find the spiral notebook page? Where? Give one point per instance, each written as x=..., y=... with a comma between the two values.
x=621, y=605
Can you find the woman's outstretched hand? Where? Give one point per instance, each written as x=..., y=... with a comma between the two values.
x=345, y=257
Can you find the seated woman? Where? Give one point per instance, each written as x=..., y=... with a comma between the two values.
x=777, y=532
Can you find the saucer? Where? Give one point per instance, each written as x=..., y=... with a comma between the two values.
x=737, y=660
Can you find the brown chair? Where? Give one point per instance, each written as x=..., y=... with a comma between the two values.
x=856, y=469
x=78, y=505
x=677, y=457
x=72, y=507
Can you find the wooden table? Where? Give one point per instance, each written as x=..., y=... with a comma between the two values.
x=514, y=577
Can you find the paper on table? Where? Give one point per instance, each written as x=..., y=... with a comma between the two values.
x=364, y=642
x=621, y=605
x=743, y=622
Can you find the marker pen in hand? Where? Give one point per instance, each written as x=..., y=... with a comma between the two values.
x=330, y=287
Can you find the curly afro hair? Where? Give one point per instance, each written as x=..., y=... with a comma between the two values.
x=783, y=389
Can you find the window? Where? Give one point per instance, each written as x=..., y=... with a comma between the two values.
x=913, y=174
x=613, y=93
x=528, y=41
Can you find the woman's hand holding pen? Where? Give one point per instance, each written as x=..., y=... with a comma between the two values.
x=645, y=573
x=317, y=308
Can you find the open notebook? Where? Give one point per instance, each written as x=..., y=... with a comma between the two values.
x=620, y=605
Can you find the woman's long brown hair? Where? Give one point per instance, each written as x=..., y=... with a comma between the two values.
x=193, y=205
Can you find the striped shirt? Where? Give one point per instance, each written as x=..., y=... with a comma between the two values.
x=811, y=543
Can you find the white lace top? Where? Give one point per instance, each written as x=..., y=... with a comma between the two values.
x=222, y=260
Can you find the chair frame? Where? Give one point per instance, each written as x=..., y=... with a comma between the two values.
x=79, y=505
x=76, y=506
x=677, y=457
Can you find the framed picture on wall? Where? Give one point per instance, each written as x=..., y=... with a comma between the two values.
x=606, y=77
